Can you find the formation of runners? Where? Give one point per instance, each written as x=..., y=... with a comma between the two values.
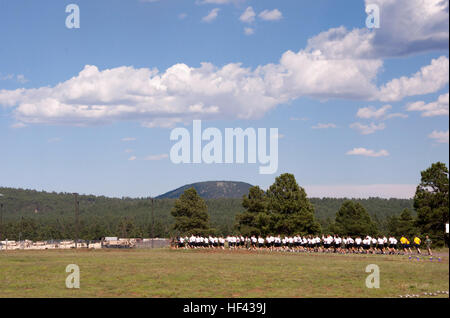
x=325, y=243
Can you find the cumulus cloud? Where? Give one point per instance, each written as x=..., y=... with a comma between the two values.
x=429, y=79
x=367, y=129
x=381, y=113
x=248, y=16
x=20, y=78
x=271, y=15
x=372, y=112
x=367, y=152
x=249, y=31
x=439, y=136
x=18, y=125
x=212, y=15
x=436, y=108
x=219, y=1
x=324, y=126
x=406, y=27
x=132, y=158
x=183, y=93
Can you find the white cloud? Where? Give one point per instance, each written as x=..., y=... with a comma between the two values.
x=367, y=152
x=437, y=108
x=429, y=79
x=249, y=31
x=156, y=157
x=6, y=77
x=18, y=125
x=271, y=15
x=439, y=136
x=298, y=118
x=248, y=16
x=401, y=191
x=128, y=150
x=212, y=15
x=182, y=16
x=128, y=139
x=406, y=27
x=324, y=126
x=381, y=113
x=20, y=78
x=372, y=112
x=219, y=1
x=367, y=129
x=183, y=93
x=132, y=158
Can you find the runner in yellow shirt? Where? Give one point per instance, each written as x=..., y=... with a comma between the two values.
x=405, y=244
x=417, y=242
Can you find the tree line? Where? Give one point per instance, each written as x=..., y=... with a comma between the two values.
x=283, y=208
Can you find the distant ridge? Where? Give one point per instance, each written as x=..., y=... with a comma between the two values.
x=212, y=190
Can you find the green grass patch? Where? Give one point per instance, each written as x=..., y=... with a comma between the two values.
x=187, y=273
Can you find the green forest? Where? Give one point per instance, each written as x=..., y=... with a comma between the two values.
x=36, y=215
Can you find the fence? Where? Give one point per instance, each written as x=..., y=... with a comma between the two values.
x=70, y=244
x=153, y=243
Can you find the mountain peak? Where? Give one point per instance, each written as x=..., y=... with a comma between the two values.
x=212, y=190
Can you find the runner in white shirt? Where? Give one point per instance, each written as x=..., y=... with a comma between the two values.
x=222, y=242
x=260, y=242
x=351, y=244
x=374, y=245
x=366, y=243
x=380, y=245
x=254, y=241
x=358, y=242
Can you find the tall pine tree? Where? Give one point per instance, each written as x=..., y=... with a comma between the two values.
x=289, y=209
x=250, y=222
x=191, y=214
x=431, y=202
x=352, y=219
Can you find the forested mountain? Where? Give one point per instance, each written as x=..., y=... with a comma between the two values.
x=212, y=190
x=33, y=214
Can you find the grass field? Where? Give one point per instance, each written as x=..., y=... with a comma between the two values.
x=186, y=273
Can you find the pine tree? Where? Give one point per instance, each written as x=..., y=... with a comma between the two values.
x=352, y=219
x=191, y=214
x=289, y=209
x=255, y=203
x=431, y=202
x=405, y=226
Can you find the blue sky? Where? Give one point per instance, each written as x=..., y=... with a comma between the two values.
x=360, y=112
